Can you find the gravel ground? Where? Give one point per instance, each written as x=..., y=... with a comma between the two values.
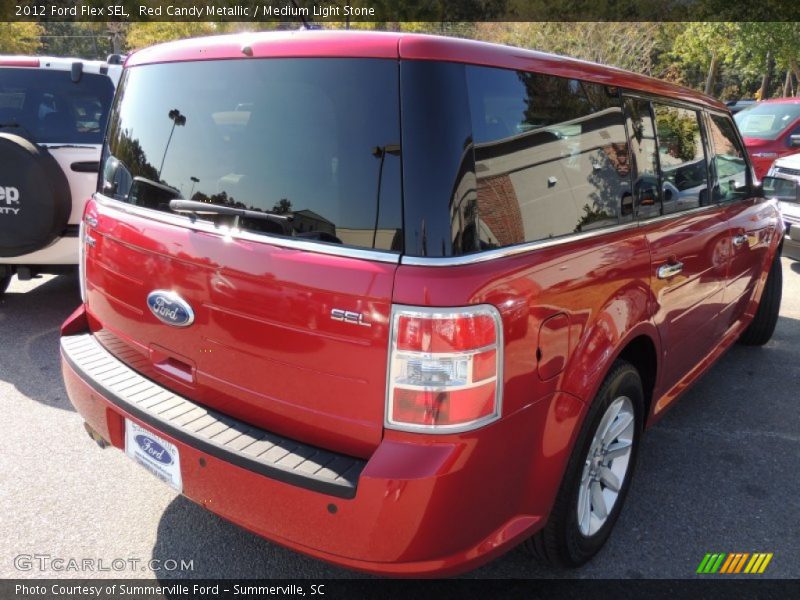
x=717, y=474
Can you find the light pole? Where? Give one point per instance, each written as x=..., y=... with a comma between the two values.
x=194, y=180
x=177, y=119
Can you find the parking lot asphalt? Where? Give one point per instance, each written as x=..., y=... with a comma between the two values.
x=717, y=474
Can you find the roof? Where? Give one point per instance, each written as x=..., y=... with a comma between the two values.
x=370, y=44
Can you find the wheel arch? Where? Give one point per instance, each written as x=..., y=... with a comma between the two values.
x=642, y=354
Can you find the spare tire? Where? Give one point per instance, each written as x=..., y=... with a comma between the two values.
x=35, y=198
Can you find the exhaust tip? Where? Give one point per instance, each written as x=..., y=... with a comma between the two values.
x=98, y=439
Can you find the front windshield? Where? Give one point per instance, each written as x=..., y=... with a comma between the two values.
x=315, y=141
x=767, y=121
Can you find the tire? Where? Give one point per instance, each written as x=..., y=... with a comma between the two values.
x=35, y=197
x=568, y=540
x=763, y=324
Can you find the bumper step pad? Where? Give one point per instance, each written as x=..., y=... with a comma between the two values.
x=209, y=431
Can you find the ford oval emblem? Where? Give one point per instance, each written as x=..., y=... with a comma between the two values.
x=170, y=308
x=153, y=449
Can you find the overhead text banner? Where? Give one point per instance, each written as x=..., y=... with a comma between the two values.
x=381, y=11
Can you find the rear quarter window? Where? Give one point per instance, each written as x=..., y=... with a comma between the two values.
x=551, y=156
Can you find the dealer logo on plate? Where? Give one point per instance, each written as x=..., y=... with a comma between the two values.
x=153, y=449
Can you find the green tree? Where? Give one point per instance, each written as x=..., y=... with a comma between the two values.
x=707, y=45
x=143, y=34
x=82, y=40
x=20, y=38
x=282, y=207
x=627, y=45
x=758, y=43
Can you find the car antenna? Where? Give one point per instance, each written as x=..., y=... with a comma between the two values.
x=300, y=13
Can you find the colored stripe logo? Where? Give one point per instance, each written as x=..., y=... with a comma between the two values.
x=734, y=562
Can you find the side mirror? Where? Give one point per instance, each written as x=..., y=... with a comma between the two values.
x=794, y=140
x=787, y=190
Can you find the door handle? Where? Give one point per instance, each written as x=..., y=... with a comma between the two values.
x=670, y=269
x=740, y=240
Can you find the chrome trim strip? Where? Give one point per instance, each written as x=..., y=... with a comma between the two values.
x=665, y=100
x=469, y=259
x=295, y=244
x=385, y=257
x=444, y=388
x=434, y=355
x=680, y=213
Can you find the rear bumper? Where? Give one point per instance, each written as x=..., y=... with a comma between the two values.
x=428, y=507
x=224, y=438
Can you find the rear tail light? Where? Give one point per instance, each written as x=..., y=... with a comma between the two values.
x=445, y=368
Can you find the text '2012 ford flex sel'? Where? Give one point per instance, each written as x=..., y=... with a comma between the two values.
x=404, y=302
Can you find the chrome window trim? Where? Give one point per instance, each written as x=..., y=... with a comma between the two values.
x=469, y=259
x=387, y=257
x=666, y=100
x=680, y=213
x=524, y=248
x=206, y=227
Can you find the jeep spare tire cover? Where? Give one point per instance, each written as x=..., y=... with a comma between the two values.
x=35, y=198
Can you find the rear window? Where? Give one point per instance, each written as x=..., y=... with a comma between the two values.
x=51, y=108
x=315, y=142
x=766, y=121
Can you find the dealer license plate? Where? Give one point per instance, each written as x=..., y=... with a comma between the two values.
x=154, y=453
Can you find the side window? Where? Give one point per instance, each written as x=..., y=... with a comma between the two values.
x=681, y=155
x=644, y=154
x=729, y=171
x=551, y=156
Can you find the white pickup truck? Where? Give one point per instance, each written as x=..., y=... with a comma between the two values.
x=788, y=167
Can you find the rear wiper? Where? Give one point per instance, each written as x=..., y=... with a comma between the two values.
x=194, y=208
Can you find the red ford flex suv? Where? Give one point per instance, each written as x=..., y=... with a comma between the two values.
x=404, y=302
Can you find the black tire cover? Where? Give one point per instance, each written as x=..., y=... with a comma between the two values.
x=35, y=199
